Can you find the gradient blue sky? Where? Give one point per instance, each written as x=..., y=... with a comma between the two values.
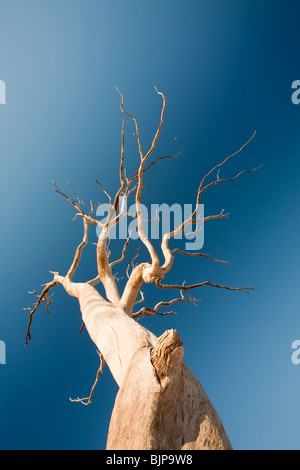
x=227, y=69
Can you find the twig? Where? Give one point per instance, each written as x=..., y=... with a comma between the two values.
x=203, y=255
x=87, y=401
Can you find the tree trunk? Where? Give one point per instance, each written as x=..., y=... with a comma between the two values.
x=160, y=404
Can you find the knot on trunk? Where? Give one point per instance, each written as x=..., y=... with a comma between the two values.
x=167, y=354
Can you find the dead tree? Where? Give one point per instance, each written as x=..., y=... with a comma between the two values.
x=160, y=404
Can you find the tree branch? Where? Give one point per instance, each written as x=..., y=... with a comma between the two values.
x=41, y=298
x=155, y=311
x=203, y=255
x=104, y=191
x=87, y=401
x=165, y=242
x=150, y=313
x=121, y=171
x=123, y=254
x=151, y=271
x=69, y=276
x=134, y=176
x=137, y=134
x=133, y=287
x=201, y=284
x=81, y=213
x=201, y=190
x=79, y=250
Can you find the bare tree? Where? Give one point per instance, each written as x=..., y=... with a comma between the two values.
x=160, y=404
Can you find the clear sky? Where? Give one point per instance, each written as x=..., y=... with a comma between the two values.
x=227, y=69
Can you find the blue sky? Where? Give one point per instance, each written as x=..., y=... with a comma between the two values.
x=227, y=69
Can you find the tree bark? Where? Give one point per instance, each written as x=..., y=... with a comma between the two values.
x=160, y=404
x=114, y=332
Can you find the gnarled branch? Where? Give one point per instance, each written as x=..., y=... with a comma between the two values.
x=151, y=271
x=165, y=242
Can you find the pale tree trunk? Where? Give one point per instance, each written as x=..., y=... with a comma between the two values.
x=160, y=404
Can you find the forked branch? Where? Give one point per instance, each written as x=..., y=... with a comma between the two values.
x=41, y=298
x=155, y=311
x=151, y=272
x=201, y=284
x=75, y=263
x=193, y=218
